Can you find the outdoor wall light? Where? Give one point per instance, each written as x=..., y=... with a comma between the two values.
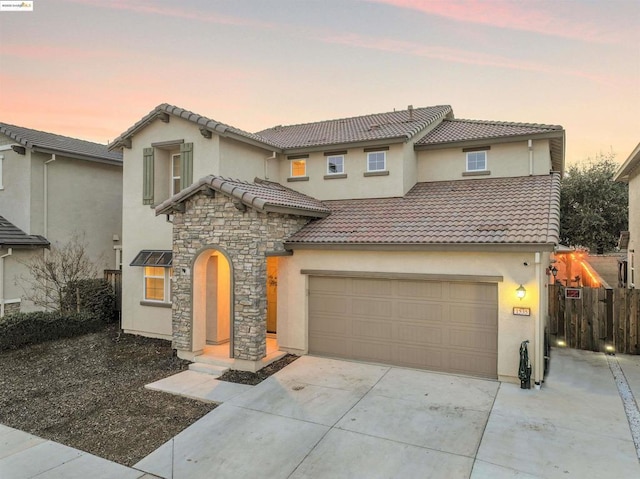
x=560, y=343
x=521, y=292
x=609, y=349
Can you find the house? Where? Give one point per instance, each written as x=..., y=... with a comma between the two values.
x=629, y=172
x=408, y=237
x=54, y=188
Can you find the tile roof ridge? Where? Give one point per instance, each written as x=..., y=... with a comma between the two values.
x=503, y=123
x=352, y=118
x=9, y=125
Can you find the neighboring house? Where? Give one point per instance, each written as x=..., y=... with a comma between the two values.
x=400, y=238
x=629, y=173
x=54, y=188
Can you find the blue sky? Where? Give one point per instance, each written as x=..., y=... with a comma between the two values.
x=91, y=69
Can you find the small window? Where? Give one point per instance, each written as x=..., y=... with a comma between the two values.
x=157, y=284
x=175, y=173
x=377, y=161
x=476, y=161
x=298, y=168
x=335, y=165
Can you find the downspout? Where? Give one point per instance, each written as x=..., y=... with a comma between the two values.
x=266, y=164
x=538, y=368
x=9, y=253
x=46, y=195
x=530, y=144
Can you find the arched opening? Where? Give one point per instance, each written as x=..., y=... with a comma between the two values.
x=212, y=300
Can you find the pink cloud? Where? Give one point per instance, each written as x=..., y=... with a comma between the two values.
x=525, y=16
x=49, y=52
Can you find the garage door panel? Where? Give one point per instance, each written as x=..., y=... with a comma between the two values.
x=414, y=333
x=444, y=326
x=381, y=330
x=426, y=311
x=330, y=285
x=372, y=287
x=371, y=308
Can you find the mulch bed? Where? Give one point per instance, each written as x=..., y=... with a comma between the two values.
x=88, y=392
x=244, y=377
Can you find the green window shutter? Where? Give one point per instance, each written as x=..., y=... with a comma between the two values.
x=186, y=165
x=147, y=177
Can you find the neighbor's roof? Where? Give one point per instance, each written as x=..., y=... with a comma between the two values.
x=401, y=125
x=475, y=132
x=632, y=163
x=13, y=237
x=261, y=195
x=52, y=143
x=162, y=111
x=515, y=210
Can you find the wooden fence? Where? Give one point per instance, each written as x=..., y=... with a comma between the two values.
x=598, y=318
x=114, y=278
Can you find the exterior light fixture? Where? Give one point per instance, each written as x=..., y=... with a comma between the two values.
x=560, y=343
x=554, y=271
x=521, y=292
x=609, y=349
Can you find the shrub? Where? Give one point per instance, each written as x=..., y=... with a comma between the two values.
x=94, y=296
x=20, y=329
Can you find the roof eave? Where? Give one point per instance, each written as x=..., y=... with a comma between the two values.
x=631, y=163
x=346, y=145
x=77, y=156
x=493, y=140
x=454, y=247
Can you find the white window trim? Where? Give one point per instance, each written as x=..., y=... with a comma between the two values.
x=486, y=161
x=631, y=278
x=167, y=285
x=118, y=249
x=174, y=178
x=291, y=175
x=329, y=172
x=384, y=166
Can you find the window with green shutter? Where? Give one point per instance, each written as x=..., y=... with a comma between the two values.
x=186, y=165
x=147, y=177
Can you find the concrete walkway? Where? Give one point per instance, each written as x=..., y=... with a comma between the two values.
x=322, y=418
x=24, y=456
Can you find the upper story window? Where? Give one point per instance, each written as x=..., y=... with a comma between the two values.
x=376, y=161
x=299, y=168
x=175, y=173
x=335, y=165
x=476, y=161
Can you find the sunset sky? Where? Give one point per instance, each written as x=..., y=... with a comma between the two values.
x=90, y=68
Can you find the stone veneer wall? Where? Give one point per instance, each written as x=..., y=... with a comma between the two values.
x=11, y=308
x=245, y=236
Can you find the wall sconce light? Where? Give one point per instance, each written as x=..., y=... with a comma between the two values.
x=521, y=292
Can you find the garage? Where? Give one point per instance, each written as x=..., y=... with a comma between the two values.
x=449, y=326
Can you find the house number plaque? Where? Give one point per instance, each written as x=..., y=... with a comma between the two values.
x=522, y=311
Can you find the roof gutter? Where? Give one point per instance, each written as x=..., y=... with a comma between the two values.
x=78, y=156
x=460, y=247
x=493, y=140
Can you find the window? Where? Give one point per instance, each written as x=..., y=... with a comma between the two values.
x=335, y=165
x=298, y=168
x=376, y=161
x=476, y=161
x=175, y=173
x=157, y=283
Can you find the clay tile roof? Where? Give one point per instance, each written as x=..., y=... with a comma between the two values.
x=202, y=121
x=59, y=144
x=460, y=130
x=261, y=195
x=13, y=237
x=380, y=126
x=520, y=210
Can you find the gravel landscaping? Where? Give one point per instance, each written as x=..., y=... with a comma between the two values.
x=88, y=392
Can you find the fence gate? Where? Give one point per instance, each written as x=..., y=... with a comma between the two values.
x=114, y=278
x=590, y=318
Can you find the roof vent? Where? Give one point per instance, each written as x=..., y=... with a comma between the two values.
x=410, y=108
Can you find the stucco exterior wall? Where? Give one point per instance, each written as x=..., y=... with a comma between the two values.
x=243, y=237
x=503, y=159
x=12, y=285
x=241, y=161
x=293, y=289
x=15, y=196
x=356, y=184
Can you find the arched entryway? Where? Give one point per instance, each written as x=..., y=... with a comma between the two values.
x=212, y=300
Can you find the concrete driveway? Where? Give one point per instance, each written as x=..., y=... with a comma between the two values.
x=327, y=418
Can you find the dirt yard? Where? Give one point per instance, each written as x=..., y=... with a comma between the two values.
x=88, y=393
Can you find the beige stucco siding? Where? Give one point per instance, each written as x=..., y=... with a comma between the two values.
x=241, y=161
x=356, y=184
x=503, y=159
x=15, y=196
x=14, y=270
x=293, y=286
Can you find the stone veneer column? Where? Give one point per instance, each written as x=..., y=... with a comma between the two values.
x=245, y=236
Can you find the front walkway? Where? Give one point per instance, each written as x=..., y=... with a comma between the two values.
x=326, y=418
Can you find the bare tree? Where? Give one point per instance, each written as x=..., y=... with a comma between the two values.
x=50, y=273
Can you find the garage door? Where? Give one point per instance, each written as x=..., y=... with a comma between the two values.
x=443, y=326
